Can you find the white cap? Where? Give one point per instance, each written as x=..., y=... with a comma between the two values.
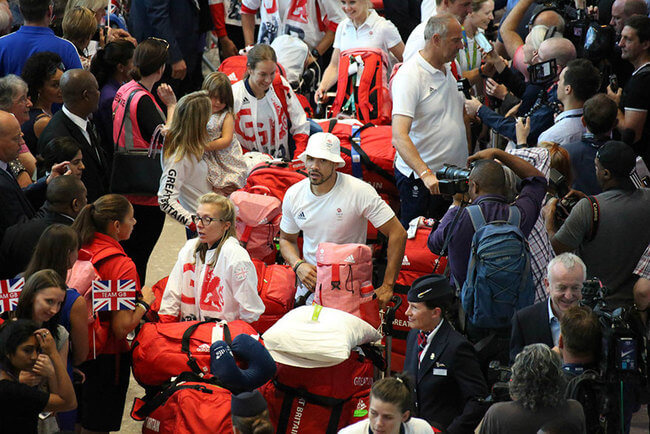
x=324, y=145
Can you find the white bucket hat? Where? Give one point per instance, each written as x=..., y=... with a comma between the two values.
x=326, y=146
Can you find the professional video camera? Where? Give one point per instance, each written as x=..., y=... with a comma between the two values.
x=560, y=187
x=543, y=74
x=453, y=179
x=498, y=379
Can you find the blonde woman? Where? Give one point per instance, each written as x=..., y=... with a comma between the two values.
x=185, y=173
x=79, y=26
x=214, y=276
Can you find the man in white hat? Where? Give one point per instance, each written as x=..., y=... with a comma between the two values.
x=334, y=207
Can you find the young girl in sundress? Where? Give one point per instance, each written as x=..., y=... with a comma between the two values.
x=227, y=170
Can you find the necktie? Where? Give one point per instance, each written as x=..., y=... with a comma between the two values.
x=422, y=342
x=94, y=138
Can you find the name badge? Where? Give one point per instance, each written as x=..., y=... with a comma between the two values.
x=440, y=371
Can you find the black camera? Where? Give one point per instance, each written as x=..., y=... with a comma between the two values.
x=464, y=86
x=543, y=73
x=453, y=179
x=560, y=188
x=498, y=379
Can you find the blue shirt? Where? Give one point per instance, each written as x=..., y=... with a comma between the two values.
x=554, y=324
x=17, y=47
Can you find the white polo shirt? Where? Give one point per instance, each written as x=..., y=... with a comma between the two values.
x=375, y=32
x=415, y=42
x=427, y=10
x=433, y=101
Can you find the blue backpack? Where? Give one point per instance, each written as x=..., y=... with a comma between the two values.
x=499, y=279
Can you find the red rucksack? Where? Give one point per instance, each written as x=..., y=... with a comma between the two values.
x=277, y=176
x=258, y=221
x=418, y=261
x=368, y=153
x=164, y=350
x=320, y=400
x=190, y=404
x=276, y=285
x=344, y=280
x=367, y=98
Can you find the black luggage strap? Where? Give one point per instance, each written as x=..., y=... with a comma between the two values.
x=185, y=343
x=595, y=215
x=291, y=393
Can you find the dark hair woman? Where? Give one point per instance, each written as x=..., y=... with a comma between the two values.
x=63, y=149
x=145, y=116
x=24, y=347
x=101, y=226
x=42, y=73
x=111, y=66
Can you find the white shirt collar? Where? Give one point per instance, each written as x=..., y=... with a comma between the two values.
x=78, y=121
x=641, y=67
x=437, y=73
x=369, y=22
x=433, y=333
x=575, y=113
x=551, y=315
x=4, y=166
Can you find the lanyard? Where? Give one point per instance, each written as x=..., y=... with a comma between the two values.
x=470, y=65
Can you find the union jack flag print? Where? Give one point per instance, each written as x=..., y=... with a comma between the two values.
x=9, y=293
x=109, y=295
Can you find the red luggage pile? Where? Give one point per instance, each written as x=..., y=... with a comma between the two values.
x=320, y=400
x=276, y=285
x=277, y=176
x=418, y=261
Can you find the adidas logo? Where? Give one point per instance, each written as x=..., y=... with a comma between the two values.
x=405, y=261
x=301, y=216
x=203, y=348
x=350, y=259
x=232, y=77
x=245, y=100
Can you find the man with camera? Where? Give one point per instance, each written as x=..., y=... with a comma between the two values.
x=634, y=122
x=540, y=323
x=429, y=126
x=609, y=230
x=486, y=188
x=579, y=340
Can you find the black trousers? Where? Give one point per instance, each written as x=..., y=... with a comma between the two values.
x=149, y=226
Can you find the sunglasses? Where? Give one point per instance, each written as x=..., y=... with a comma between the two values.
x=159, y=40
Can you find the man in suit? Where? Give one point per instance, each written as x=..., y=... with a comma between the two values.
x=540, y=323
x=18, y=205
x=81, y=98
x=448, y=378
x=66, y=196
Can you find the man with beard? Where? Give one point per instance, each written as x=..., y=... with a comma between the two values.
x=334, y=207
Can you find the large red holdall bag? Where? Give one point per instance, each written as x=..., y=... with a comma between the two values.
x=366, y=98
x=277, y=176
x=368, y=153
x=418, y=261
x=164, y=350
x=320, y=400
x=276, y=285
x=258, y=221
x=190, y=404
x=344, y=280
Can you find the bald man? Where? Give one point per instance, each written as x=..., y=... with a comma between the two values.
x=80, y=98
x=17, y=205
x=624, y=9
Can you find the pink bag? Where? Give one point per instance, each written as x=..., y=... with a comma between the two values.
x=258, y=221
x=344, y=280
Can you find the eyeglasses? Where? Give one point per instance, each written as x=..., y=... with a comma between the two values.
x=161, y=41
x=205, y=220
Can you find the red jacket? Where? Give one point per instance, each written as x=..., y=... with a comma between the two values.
x=111, y=263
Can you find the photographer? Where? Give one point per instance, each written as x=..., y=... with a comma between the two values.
x=537, y=389
x=487, y=190
x=611, y=225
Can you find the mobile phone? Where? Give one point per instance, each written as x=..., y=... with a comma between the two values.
x=613, y=83
x=483, y=42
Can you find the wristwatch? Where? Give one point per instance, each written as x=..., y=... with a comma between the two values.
x=315, y=53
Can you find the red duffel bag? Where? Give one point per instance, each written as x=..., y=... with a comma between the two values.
x=418, y=261
x=368, y=153
x=319, y=400
x=276, y=285
x=164, y=350
x=277, y=176
x=189, y=405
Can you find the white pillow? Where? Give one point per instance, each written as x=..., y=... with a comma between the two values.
x=297, y=340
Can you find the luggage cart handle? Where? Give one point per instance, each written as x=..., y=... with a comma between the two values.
x=389, y=316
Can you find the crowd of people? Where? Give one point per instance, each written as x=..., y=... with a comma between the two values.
x=108, y=124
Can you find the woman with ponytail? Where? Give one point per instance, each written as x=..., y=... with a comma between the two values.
x=390, y=410
x=101, y=226
x=214, y=276
x=136, y=127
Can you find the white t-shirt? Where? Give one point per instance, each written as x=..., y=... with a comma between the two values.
x=340, y=216
x=413, y=426
x=433, y=101
x=181, y=185
x=427, y=10
x=375, y=32
x=415, y=42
